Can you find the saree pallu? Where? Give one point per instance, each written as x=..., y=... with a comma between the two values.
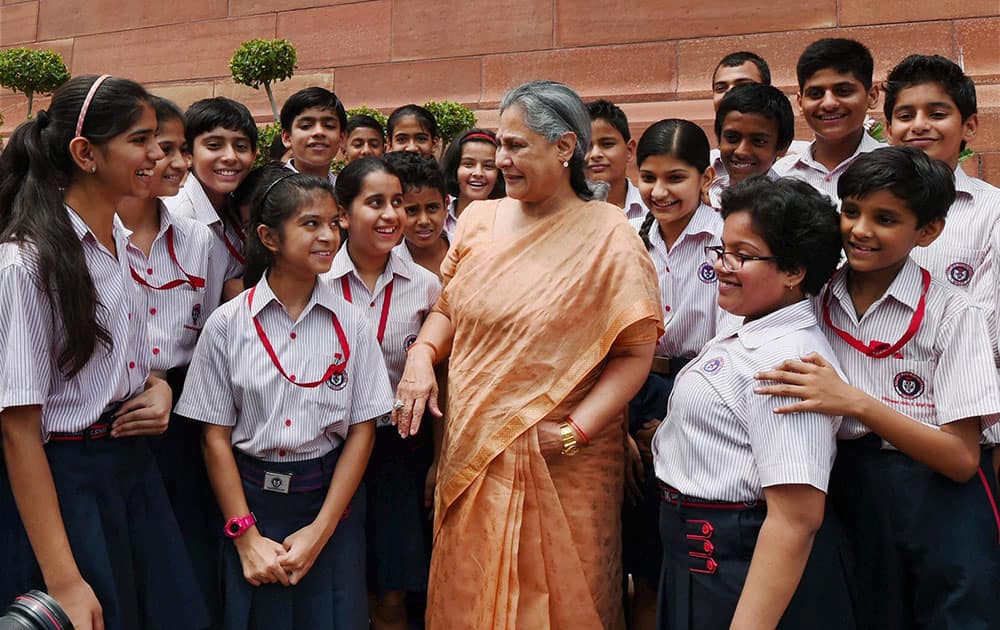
x=521, y=541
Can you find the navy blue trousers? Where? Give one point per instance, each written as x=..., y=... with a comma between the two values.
x=333, y=594
x=927, y=548
x=122, y=533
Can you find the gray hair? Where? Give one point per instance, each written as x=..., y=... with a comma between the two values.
x=552, y=109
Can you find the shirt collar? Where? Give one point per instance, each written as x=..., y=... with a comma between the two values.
x=964, y=183
x=634, y=198
x=263, y=295
x=775, y=325
x=906, y=288
x=866, y=145
x=343, y=265
x=705, y=220
x=203, y=209
x=83, y=232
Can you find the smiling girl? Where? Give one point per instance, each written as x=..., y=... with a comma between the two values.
x=743, y=488
x=396, y=294
x=471, y=173
x=287, y=379
x=76, y=395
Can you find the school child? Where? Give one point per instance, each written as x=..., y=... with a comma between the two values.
x=754, y=125
x=835, y=94
x=424, y=195
x=745, y=537
x=365, y=138
x=222, y=139
x=673, y=174
x=77, y=400
x=172, y=260
x=413, y=128
x=612, y=149
x=911, y=483
x=738, y=68
x=931, y=104
x=288, y=380
x=395, y=295
x=313, y=124
x=471, y=173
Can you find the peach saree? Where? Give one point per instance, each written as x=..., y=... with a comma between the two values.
x=521, y=541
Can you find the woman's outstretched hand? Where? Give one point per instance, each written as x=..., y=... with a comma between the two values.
x=417, y=391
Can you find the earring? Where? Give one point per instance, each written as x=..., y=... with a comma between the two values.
x=565, y=163
x=93, y=168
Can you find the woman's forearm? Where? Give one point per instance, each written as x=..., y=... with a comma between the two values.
x=794, y=514
x=621, y=379
x=35, y=494
x=437, y=330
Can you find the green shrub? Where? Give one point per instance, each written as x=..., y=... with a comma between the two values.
x=368, y=111
x=31, y=72
x=265, y=136
x=452, y=118
x=260, y=62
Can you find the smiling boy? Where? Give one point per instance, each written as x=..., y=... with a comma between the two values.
x=313, y=123
x=835, y=94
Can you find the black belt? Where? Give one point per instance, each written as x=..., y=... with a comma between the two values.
x=675, y=497
x=668, y=366
x=100, y=430
x=287, y=478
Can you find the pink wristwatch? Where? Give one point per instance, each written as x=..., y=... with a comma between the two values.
x=238, y=525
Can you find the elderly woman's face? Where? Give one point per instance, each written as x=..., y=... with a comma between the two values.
x=531, y=165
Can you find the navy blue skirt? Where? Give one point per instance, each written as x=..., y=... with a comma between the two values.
x=122, y=533
x=706, y=557
x=399, y=540
x=332, y=595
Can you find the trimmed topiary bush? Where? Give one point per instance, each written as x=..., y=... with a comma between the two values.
x=32, y=71
x=262, y=62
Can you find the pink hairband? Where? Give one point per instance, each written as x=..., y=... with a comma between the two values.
x=480, y=136
x=86, y=103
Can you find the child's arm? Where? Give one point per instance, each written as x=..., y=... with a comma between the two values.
x=952, y=451
x=303, y=546
x=147, y=413
x=258, y=555
x=37, y=503
x=437, y=435
x=794, y=514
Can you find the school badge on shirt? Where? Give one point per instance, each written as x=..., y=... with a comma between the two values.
x=959, y=274
x=337, y=381
x=908, y=385
x=706, y=273
x=712, y=365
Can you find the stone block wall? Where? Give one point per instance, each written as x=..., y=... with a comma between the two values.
x=653, y=57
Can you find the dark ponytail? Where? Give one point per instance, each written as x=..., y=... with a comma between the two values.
x=35, y=169
x=647, y=224
x=279, y=194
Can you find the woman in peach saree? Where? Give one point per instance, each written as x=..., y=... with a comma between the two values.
x=549, y=315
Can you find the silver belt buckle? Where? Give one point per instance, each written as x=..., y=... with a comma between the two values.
x=277, y=482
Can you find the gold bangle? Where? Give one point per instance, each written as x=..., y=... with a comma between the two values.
x=570, y=447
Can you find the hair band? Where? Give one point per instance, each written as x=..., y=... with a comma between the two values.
x=480, y=136
x=267, y=191
x=86, y=103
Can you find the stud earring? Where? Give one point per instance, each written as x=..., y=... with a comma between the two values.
x=565, y=163
x=93, y=169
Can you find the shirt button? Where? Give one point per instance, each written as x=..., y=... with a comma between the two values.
x=293, y=335
x=131, y=365
x=130, y=315
x=666, y=308
x=291, y=378
x=156, y=351
x=152, y=311
x=288, y=422
x=281, y=453
x=372, y=304
x=150, y=270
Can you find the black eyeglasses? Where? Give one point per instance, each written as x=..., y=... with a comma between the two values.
x=732, y=261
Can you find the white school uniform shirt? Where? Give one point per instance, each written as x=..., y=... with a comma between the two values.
x=397, y=314
x=804, y=167
x=175, y=315
x=689, y=288
x=233, y=381
x=193, y=202
x=331, y=176
x=944, y=373
x=723, y=442
x=32, y=338
x=635, y=207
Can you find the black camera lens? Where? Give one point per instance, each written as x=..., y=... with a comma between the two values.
x=35, y=610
